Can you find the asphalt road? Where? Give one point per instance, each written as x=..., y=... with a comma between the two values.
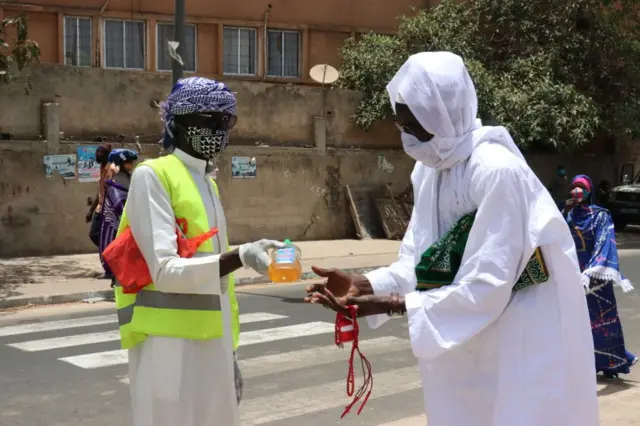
x=64, y=367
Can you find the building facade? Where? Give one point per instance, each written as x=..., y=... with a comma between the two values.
x=260, y=40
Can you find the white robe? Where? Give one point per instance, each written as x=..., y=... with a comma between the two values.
x=487, y=357
x=179, y=381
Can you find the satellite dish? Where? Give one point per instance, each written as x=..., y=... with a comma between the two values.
x=324, y=73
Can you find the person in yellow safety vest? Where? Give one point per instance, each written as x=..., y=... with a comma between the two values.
x=183, y=329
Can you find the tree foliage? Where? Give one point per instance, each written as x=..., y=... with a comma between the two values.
x=557, y=73
x=17, y=51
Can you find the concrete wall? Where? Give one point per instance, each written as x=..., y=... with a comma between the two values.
x=109, y=102
x=297, y=194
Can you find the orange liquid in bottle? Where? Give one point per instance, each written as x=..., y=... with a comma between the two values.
x=285, y=264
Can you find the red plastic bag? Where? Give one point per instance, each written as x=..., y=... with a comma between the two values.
x=128, y=265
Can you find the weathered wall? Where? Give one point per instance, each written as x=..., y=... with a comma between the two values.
x=297, y=194
x=108, y=102
x=598, y=167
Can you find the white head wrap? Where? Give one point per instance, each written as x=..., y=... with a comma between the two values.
x=439, y=92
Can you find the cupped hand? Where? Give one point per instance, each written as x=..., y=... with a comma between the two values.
x=323, y=296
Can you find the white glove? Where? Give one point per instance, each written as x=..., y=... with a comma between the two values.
x=256, y=255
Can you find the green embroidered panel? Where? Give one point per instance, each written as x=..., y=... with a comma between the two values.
x=440, y=263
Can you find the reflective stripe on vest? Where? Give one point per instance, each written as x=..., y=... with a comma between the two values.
x=157, y=299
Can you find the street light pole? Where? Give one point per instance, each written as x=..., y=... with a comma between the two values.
x=178, y=35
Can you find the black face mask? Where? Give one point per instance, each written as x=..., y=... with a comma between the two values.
x=206, y=134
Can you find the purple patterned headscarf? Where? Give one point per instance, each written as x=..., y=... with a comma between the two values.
x=195, y=95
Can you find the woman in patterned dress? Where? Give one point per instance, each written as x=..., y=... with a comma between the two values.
x=593, y=232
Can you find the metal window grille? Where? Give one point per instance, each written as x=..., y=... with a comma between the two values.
x=124, y=44
x=239, y=56
x=77, y=41
x=283, y=53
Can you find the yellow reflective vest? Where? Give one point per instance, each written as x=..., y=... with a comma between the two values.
x=151, y=312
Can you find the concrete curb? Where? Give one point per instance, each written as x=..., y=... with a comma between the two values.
x=108, y=294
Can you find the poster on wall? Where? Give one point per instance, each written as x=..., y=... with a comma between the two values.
x=243, y=167
x=64, y=164
x=88, y=167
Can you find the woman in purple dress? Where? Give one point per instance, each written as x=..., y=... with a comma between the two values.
x=115, y=196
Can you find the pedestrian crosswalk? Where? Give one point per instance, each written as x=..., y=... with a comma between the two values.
x=293, y=373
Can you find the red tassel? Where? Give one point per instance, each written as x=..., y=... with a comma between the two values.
x=347, y=330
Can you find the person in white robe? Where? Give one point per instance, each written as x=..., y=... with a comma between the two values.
x=182, y=382
x=488, y=355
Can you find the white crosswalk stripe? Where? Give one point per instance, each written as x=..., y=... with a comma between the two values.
x=15, y=330
x=297, y=402
x=77, y=347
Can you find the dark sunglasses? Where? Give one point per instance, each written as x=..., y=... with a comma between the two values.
x=409, y=129
x=210, y=120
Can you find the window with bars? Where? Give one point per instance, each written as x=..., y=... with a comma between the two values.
x=240, y=56
x=164, y=34
x=77, y=41
x=124, y=44
x=283, y=53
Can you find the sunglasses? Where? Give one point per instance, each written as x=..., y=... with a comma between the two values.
x=410, y=129
x=210, y=120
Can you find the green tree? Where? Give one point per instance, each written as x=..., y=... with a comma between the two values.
x=558, y=74
x=17, y=51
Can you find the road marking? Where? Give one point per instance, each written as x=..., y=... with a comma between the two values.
x=66, y=341
x=288, y=361
x=259, y=317
x=14, y=330
x=98, y=359
x=117, y=357
x=298, y=402
x=285, y=361
x=108, y=336
x=287, y=332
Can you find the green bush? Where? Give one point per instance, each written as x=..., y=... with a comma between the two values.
x=16, y=50
x=558, y=74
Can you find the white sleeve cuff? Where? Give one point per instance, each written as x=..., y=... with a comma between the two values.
x=376, y=321
x=381, y=281
x=421, y=332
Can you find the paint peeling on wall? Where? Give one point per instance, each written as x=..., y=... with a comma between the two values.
x=384, y=164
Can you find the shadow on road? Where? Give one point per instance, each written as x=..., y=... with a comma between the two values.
x=39, y=270
x=615, y=386
x=274, y=296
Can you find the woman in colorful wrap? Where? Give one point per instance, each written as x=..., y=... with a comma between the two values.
x=595, y=239
x=115, y=196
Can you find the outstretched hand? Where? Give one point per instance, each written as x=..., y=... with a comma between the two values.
x=337, y=282
x=323, y=296
x=339, y=290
